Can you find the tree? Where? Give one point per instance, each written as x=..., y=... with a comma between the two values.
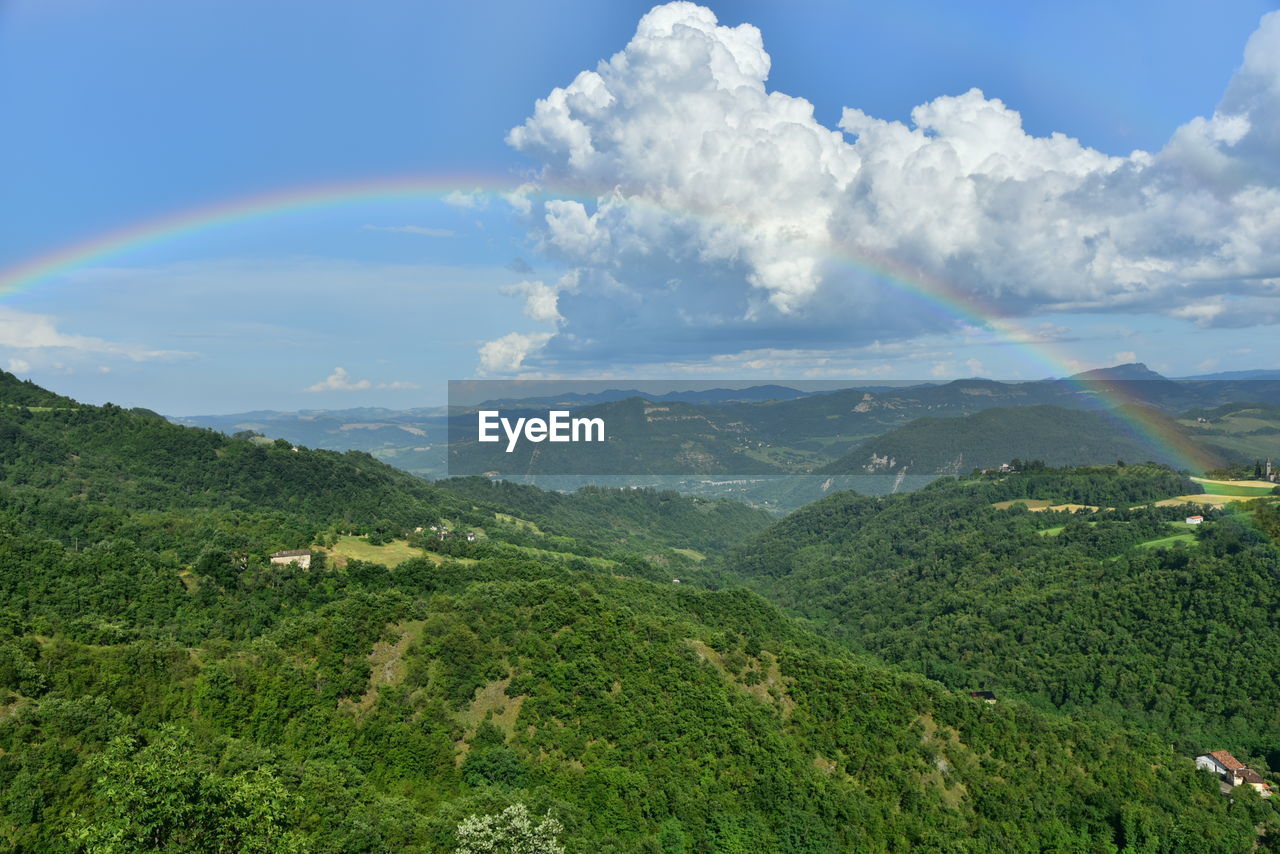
x=163, y=798
x=510, y=832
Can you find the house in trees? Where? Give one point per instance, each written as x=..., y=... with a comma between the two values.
x=1232, y=771
x=301, y=557
x=1194, y=520
x=1223, y=764
x=985, y=696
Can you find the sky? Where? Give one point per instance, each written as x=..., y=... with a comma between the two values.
x=226, y=206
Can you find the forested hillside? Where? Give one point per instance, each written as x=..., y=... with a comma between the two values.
x=163, y=688
x=1058, y=436
x=1122, y=613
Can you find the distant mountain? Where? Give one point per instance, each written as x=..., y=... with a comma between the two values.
x=1131, y=372
x=766, y=429
x=1237, y=375
x=410, y=439
x=709, y=397
x=1057, y=436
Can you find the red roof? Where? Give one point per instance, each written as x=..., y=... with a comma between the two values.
x=1226, y=760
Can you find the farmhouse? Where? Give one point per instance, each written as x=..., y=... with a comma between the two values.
x=985, y=696
x=301, y=557
x=1232, y=771
x=1194, y=520
x=1223, y=764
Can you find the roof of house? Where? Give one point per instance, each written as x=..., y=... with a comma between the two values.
x=1248, y=775
x=293, y=553
x=1226, y=760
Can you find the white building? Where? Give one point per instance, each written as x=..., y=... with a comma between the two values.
x=301, y=557
x=1233, y=772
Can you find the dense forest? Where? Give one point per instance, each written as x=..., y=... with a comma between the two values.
x=1117, y=613
x=1060, y=437
x=164, y=688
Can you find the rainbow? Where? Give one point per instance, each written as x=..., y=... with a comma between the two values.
x=937, y=293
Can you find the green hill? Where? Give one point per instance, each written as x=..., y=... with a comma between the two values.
x=1068, y=611
x=1058, y=436
x=162, y=687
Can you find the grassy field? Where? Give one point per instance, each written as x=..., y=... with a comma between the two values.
x=1209, y=498
x=1037, y=505
x=1250, y=488
x=691, y=554
x=357, y=548
x=1166, y=542
x=516, y=522
x=1032, y=504
x=1247, y=432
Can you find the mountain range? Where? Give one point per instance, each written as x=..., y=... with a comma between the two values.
x=1123, y=412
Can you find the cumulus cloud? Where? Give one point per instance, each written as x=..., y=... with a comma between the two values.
x=507, y=354
x=339, y=380
x=469, y=199
x=540, y=300
x=727, y=215
x=19, y=366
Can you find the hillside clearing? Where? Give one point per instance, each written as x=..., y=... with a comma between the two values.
x=1236, y=487
x=1167, y=542
x=357, y=548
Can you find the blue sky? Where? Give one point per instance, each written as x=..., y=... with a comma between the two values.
x=125, y=112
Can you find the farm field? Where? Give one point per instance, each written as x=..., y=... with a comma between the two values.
x=1210, y=498
x=1166, y=542
x=357, y=548
x=1037, y=505
x=1250, y=488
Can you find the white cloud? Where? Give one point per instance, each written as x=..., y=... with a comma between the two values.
x=507, y=354
x=339, y=380
x=19, y=366
x=519, y=197
x=414, y=229
x=540, y=301
x=727, y=214
x=471, y=200
x=34, y=333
